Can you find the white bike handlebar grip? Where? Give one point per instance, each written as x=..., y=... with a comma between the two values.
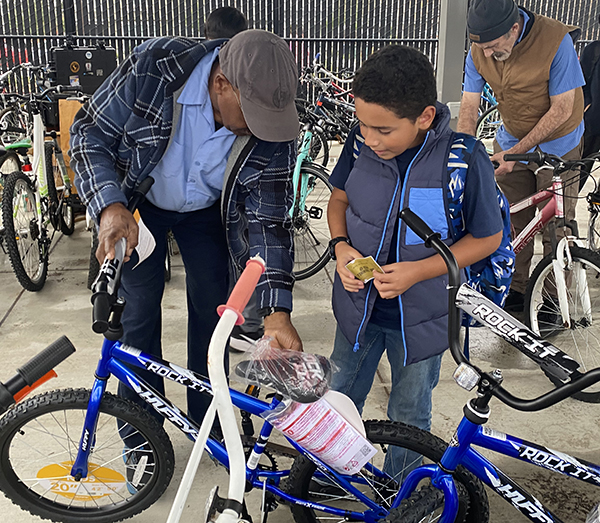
x=242, y=292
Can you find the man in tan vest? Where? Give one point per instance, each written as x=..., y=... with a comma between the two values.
x=531, y=64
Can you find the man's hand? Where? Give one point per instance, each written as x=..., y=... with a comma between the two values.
x=398, y=278
x=344, y=254
x=503, y=166
x=116, y=222
x=279, y=327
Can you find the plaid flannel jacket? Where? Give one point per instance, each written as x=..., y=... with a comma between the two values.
x=120, y=135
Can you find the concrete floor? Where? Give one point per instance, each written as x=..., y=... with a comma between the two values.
x=30, y=321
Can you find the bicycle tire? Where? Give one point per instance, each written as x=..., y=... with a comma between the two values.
x=309, y=220
x=420, y=507
x=94, y=266
x=582, y=341
x=9, y=162
x=27, y=249
x=406, y=437
x=49, y=491
x=10, y=117
x=487, y=126
x=319, y=147
x=65, y=220
x=594, y=232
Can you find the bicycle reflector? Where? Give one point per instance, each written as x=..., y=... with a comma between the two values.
x=466, y=376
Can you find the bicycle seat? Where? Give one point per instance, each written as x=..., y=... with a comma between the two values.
x=304, y=378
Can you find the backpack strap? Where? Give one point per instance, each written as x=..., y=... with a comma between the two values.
x=459, y=156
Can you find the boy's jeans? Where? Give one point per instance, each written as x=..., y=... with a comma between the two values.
x=410, y=397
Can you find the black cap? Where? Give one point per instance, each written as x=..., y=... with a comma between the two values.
x=491, y=19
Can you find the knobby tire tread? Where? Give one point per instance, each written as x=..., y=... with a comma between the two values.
x=75, y=399
x=10, y=240
x=401, y=435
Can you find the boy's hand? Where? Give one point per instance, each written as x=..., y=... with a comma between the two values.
x=397, y=279
x=344, y=254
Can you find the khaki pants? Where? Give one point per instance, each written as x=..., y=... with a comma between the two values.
x=519, y=184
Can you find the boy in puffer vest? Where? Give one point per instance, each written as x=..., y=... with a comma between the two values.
x=402, y=163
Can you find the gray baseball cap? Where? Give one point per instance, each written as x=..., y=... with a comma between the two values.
x=261, y=65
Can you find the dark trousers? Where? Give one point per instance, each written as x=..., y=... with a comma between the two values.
x=201, y=240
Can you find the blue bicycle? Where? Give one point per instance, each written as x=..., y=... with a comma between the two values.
x=88, y=455
x=441, y=495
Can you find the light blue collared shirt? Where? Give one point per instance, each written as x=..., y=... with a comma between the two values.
x=190, y=174
x=565, y=75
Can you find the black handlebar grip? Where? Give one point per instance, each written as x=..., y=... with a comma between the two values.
x=536, y=157
x=139, y=193
x=67, y=89
x=46, y=360
x=100, y=311
x=421, y=229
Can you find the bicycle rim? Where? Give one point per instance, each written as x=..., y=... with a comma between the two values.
x=311, y=232
x=582, y=340
x=9, y=117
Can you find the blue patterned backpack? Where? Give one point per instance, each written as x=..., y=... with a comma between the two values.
x=492, y=275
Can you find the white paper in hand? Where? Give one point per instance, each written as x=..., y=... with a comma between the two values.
x=146, y=242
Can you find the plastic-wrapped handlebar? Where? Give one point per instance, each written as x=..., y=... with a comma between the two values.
x=107, y=282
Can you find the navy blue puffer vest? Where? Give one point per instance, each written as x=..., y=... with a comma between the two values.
x=376, y=195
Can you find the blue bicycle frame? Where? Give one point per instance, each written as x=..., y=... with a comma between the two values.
x=116, y=358
x=460, y=452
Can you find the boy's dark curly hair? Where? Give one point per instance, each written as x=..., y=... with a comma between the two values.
x=399, y=78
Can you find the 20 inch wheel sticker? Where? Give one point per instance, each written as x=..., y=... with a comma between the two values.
x=101, y=481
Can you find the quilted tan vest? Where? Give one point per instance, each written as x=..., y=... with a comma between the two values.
x=521, y=82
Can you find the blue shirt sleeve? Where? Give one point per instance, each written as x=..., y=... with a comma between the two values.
x=345, y=162
x=480, y=207
x=473, y=82
x=565, y=71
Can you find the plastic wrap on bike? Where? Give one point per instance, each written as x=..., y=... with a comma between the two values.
x=46, y=360
x=550, y=359
x=301, y=376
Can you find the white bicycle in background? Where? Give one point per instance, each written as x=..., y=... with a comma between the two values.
x=37, y=198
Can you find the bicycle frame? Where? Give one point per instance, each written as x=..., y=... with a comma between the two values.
x=116, y=358
x=301, y=182
x=460, y=451
x=562, y=256
x=40, y=171
x=553, y=209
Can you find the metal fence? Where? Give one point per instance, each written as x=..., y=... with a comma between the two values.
x=345, y=32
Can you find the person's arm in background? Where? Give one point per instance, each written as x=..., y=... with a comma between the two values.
x=270, y=235
x=565, y=77
x=471, y=98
